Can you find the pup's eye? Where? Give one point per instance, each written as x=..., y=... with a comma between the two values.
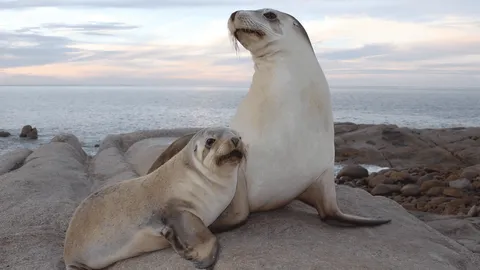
x=270, y=15
x=209, y=142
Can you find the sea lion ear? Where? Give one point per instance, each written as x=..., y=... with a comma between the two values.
x=195, y=149
x=295, y=23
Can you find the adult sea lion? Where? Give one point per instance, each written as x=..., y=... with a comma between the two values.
x=172, y=205
x=286, y=121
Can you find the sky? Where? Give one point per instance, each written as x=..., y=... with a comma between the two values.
x=428, y=43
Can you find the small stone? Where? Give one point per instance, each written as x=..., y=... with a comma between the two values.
x=409, y=206
x=4, y=133
x=473, y=212
x=452, y=177
x=376, y=180
x=410, y=190
x=97, y=145
x=384, y=189
x=463, y=183
x=458, y=202
x=389, y=181
x=452, y=192
x=476, y=184
x=469, y=175
x=360, y=182
x=398, y=198
x=353, y=171
x=425, y=178
x=439, y=200
x=431, y=183
x=435, y=191
x=401, y=176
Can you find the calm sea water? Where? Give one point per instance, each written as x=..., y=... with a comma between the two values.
x=93, y=112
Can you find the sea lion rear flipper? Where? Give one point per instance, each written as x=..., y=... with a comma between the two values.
x=322, y=196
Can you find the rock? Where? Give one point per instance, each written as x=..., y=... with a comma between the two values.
x=439, y=200
x=400, y=176
x=469, y=175
x=431, y=183
x=385, y=189
x=473, y=171
x=452, y=192
x=425, y=178
x=13, y=160
x=37, y=201
x=376, y=180
x=461, y=184
x=410, y=190
x=435, y=191
x=29, y=132
x=400, y=147
x=473, y=212
x=4, y=133
x=353, y=171
x=476, y=185
x=97, y=145
x=25, y=130
x=33, y=134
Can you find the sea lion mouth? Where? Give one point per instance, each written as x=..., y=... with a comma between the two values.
x=233, y=156
x=258, y=33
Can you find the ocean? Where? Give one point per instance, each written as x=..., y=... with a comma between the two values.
x=91, y=113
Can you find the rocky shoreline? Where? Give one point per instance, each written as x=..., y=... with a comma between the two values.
x=40, y=188
x=430, y=170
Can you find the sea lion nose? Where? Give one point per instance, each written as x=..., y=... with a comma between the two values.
x=235, y=141
x=232, y=16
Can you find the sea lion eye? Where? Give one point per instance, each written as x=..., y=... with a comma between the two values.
x=209, y=142
x=270, y=15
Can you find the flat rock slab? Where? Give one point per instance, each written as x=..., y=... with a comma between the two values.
x=38, y=199
x=13, y=160
x=36, y=202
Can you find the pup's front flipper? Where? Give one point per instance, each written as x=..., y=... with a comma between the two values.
x=191, y=239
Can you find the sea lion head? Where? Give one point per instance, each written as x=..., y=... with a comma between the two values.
x=267, y=31
x=218, y=148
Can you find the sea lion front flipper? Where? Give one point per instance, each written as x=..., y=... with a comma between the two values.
x=191, y=239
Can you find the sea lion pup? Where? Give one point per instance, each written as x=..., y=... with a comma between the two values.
x=173, y=205
x=286, y=120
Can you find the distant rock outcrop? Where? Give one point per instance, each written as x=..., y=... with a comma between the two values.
x=29, y=132
x=4, y=133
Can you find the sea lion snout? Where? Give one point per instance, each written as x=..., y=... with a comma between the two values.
x=235, y=141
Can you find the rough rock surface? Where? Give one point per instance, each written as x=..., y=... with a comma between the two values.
x=29, y=132
x=38, y=199
x=13, y=160
x=400, y=147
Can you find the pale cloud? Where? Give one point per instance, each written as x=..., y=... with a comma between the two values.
x=186, y=42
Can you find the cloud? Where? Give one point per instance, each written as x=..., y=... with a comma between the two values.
x=21, y=4
x=140, y=44
x=88, y=28
x=24, y=49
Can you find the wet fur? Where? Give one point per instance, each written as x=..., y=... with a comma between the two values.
x=159, y=209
